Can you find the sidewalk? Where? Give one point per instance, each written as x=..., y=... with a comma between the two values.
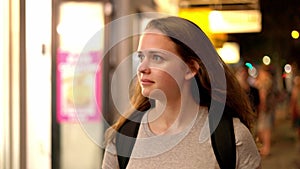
x=284, y=154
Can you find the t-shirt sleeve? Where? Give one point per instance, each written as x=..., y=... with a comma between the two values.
x=110, y=159
x=248, y=156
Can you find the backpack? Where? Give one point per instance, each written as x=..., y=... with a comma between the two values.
x=222, y=139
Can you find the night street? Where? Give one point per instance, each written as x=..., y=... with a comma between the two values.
x=284, y=153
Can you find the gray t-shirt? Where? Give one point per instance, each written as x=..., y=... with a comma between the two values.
x=188, y=149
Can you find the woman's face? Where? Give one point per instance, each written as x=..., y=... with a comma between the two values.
x=160, y=70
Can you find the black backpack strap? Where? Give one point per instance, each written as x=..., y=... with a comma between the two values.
x=223, y=142
x=125, y=138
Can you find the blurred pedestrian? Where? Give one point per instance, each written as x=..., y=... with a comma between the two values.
x=295, y=107
x=266, y=109
x=242, y=75
x=248, y=85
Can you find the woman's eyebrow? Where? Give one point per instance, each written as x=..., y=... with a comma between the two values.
x=152, y=51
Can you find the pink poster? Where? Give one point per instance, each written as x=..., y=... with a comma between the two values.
x=78, y=86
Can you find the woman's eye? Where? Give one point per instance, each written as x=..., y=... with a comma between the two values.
x=141, y=57
x=157, y=58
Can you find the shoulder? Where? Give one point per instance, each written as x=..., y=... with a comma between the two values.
x=247, y=151
x=242, y=133
x=240, y=130
x=110, y=159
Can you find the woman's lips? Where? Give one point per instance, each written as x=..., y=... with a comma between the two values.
x=146, y=82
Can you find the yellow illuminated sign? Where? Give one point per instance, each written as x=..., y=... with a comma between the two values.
x=200, y=16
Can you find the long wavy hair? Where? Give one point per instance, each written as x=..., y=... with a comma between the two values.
x=194, y=46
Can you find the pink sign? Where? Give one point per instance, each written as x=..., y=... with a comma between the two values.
x=78, y=86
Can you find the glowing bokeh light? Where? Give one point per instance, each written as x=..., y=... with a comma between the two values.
x=288, y=68
x=266, y=60
x=295, y=34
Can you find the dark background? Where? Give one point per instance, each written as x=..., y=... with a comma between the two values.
x=279, y=18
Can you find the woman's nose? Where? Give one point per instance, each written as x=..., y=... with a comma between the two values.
x=144, y=67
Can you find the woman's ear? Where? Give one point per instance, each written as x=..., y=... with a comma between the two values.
x=192, y=70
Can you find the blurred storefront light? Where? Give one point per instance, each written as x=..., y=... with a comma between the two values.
x=230, y=52
x=76, y=29
x=235, y=21
x=200, y=16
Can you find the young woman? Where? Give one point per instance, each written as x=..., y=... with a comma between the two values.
x=183, y=89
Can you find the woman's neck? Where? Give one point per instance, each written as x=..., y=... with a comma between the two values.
x=172, y=116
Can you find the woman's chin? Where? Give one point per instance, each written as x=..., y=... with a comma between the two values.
x=154, y=94
x=146, y=94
